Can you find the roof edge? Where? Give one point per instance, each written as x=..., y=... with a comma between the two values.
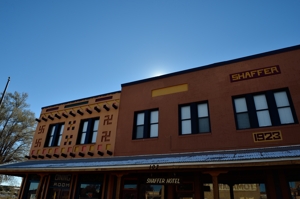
x=86, y=98
x=264, y=54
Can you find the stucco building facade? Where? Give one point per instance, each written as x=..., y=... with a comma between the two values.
x=226, y=130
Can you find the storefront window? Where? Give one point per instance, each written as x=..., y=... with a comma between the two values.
x=295, y=189
x=90, y=191
x=59, y=187
x=130, y=184
x=240, y=191
x=90, y=186
x=32, y=186
x=148, y=191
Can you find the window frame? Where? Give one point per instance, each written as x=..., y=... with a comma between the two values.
x=272, y=108
x=194, y=118
x=90, y=131
x=146, y=126
x=57, y=134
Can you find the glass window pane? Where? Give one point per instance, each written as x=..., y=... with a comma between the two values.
x=94, y=137
x=96, y=124
x=154, y=130
x=154, y=117
x=285, y=115
x=260, y=102
x=82, y=140
x=295, y=189
x=50, y=141
x=32, y=190
x=240, y=105
x=61, y=129
x=140, y=119
x=264, y=118
x=186, y=127
x=202, y=110
x=204, y=125
x=130, y=184
x=152, y=191
x=59, y=139
x=281, y=99
x=53, y=130
x=85, y=125
x=89, y=190
x=243, y=121
x=185, y=112
x=139, y=131
x=241, y=191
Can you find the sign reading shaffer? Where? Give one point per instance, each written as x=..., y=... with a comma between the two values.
x=262, y=72
x=163, y=181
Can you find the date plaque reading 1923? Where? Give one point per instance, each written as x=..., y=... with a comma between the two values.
x=267, y=136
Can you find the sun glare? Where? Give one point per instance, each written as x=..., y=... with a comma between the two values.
x=157, y=74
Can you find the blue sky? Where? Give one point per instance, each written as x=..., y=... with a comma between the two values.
x=59, y=51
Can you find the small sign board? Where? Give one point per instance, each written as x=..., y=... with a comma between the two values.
x=162, y=181
x=267, y=136
x=250, y=74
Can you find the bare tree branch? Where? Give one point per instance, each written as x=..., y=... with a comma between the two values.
x=17, y=125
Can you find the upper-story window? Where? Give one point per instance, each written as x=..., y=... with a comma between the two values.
x=88, y=131
x=194, y=118
x=146, y=124
x=54, y=135
x=270, y=108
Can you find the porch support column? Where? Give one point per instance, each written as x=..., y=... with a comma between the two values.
x=119, y=178
x=215, y=185
x=214, y=175
x=231, y=190
x=41, y=186
x=284, y=184
x=109, y=187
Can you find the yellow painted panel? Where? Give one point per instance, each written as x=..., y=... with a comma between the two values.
x=50, y=151
x=170, y=90
x=76, y=149
x=63, y=150
x=38, y=151
x=108, y=147
x=92, y=148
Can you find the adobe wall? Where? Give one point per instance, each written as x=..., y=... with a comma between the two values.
x=213, y=85
x=71, y=114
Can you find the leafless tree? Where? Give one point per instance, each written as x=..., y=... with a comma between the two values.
x=17, y=125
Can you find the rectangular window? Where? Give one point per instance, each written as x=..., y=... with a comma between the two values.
x=194, y=118
x=88, y=131
x=89, y=186
x=146, y=124
x=270, y=108
x=54, y=135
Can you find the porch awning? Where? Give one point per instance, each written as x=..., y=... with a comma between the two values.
x=271, y=156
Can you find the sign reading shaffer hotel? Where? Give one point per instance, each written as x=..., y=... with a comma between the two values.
x=163, y=181
x=250, y=74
